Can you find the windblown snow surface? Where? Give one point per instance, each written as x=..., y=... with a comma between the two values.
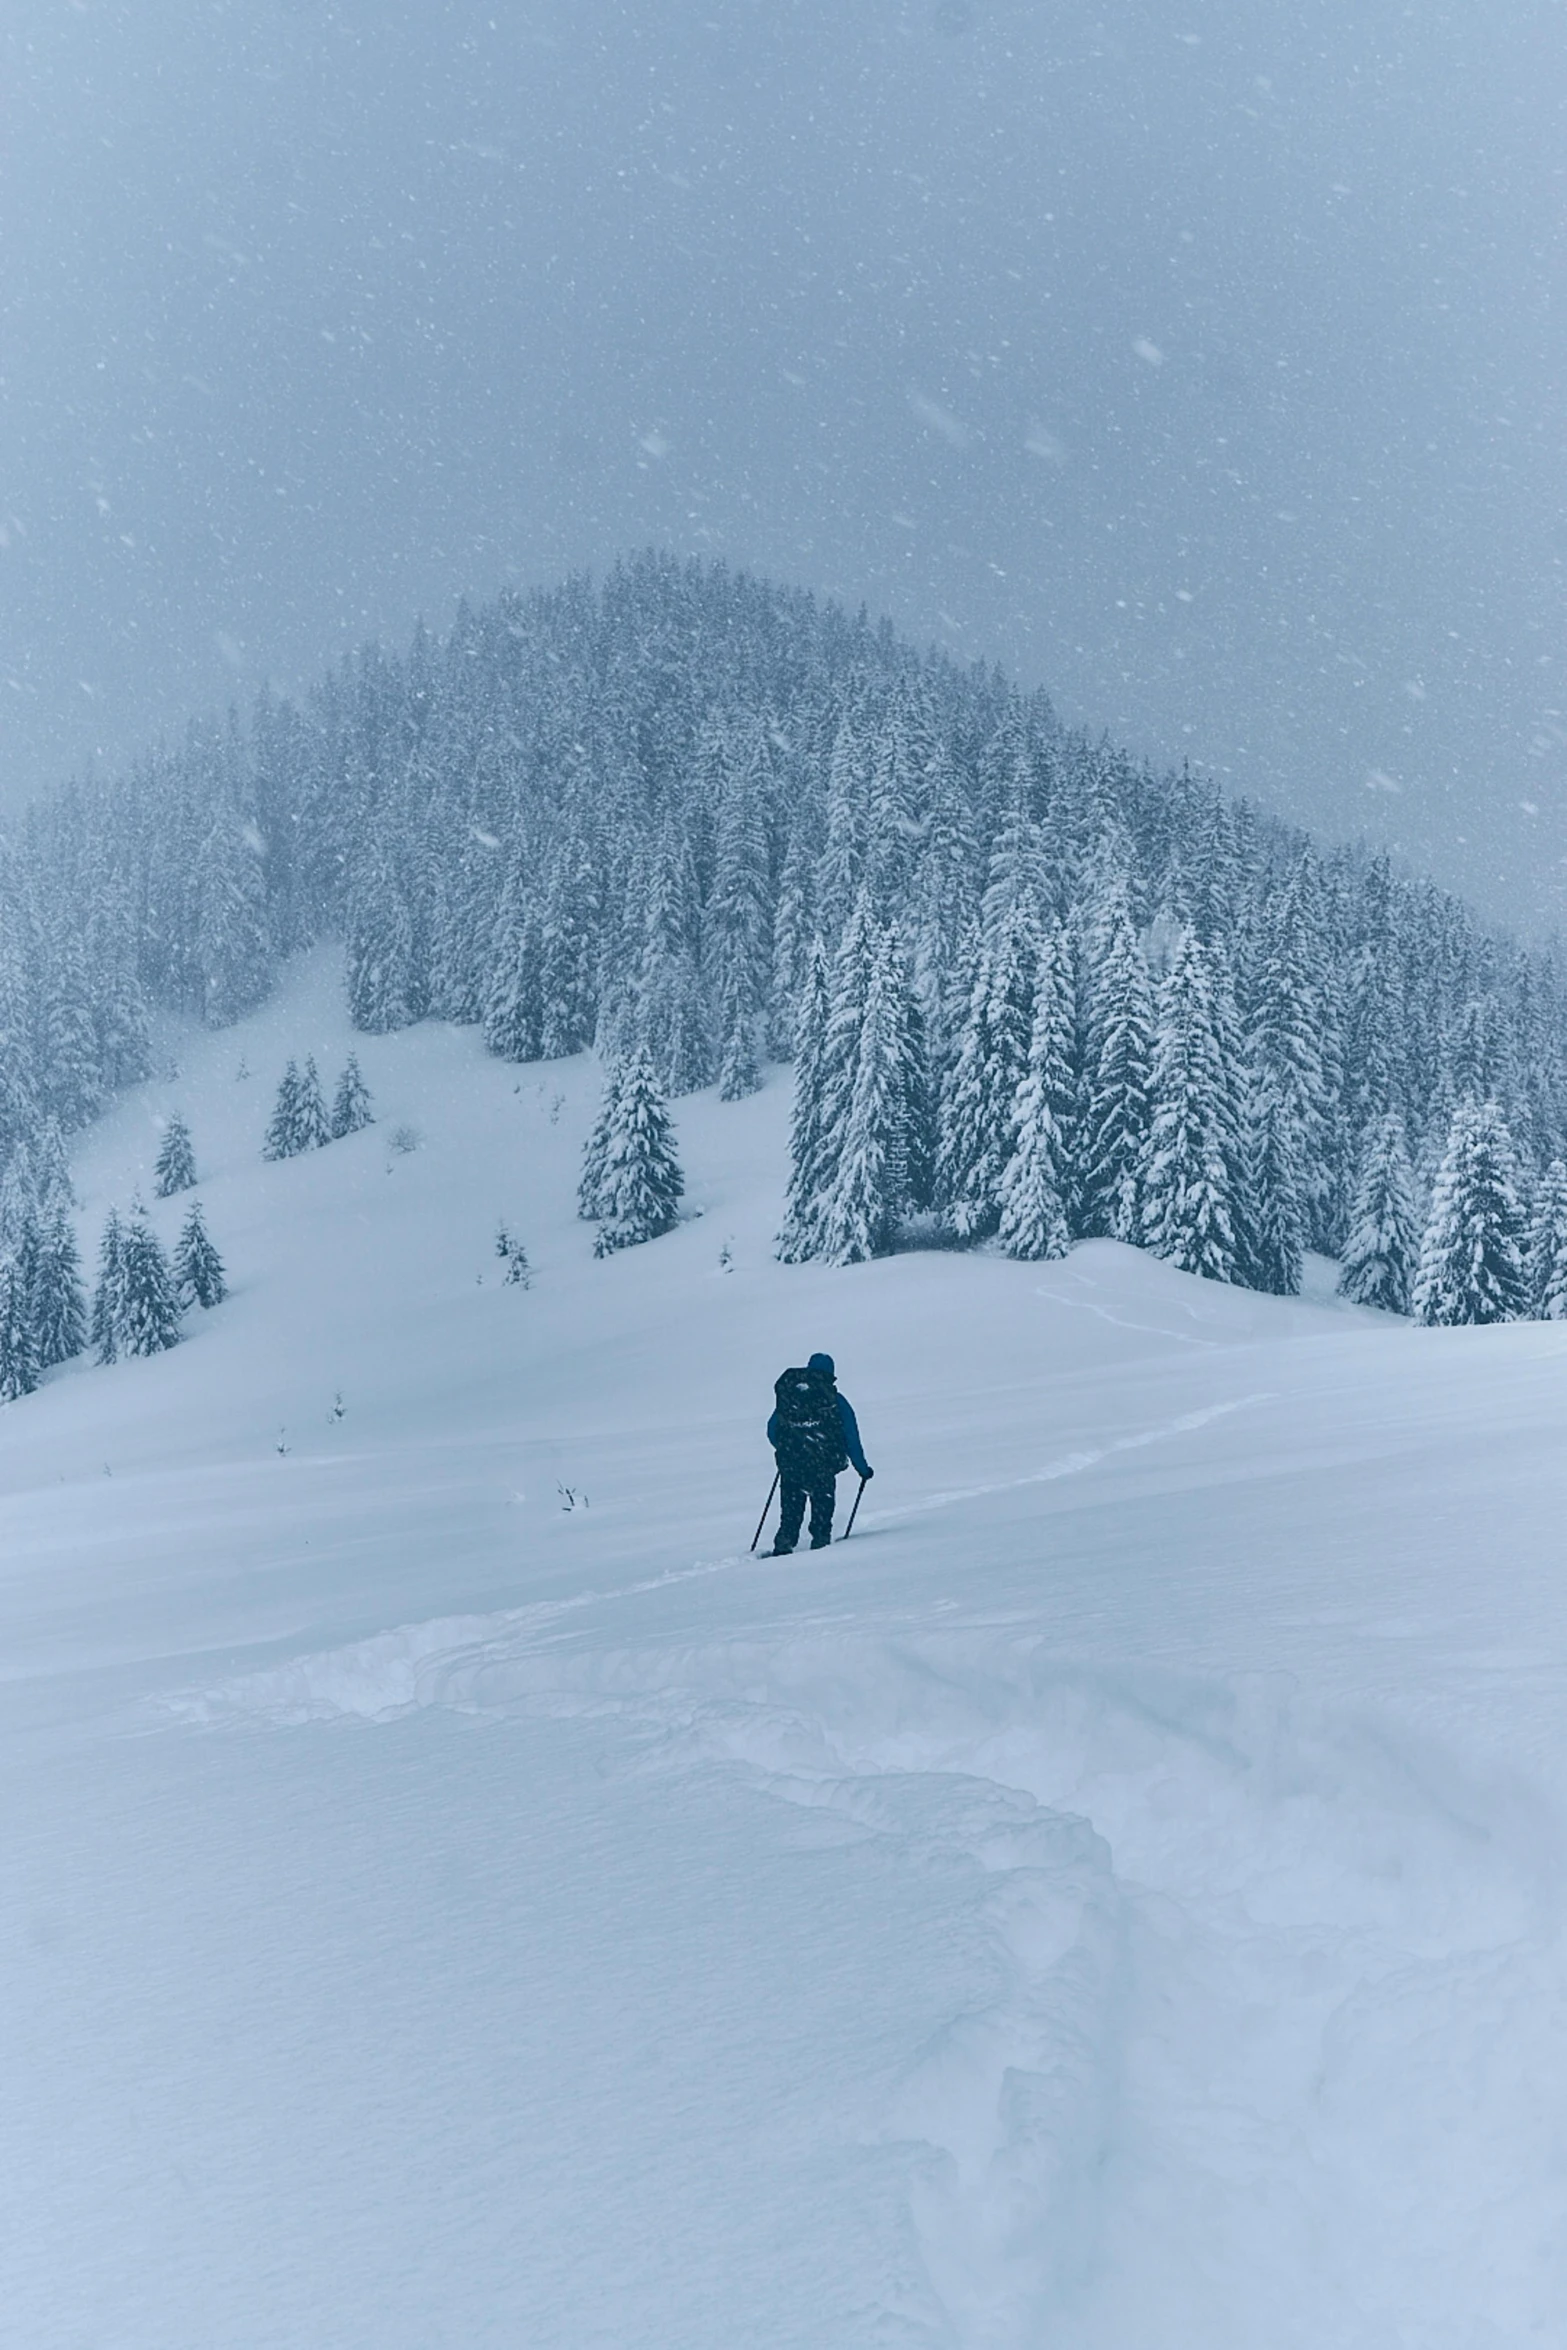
x=454, y=1894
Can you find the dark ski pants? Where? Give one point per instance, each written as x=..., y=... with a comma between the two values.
x=794, y=1497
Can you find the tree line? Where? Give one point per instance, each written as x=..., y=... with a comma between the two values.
x=1033, y=989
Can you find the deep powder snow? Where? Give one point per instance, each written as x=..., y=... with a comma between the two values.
x=456, y=1895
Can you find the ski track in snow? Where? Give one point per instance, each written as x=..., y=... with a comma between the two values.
x=380, y=1678
x=1071, y=1464
x=1230, y=1934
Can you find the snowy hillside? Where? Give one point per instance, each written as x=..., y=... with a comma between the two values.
x=456, y=1895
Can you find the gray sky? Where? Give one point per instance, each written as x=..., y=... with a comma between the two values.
x=1203, y=360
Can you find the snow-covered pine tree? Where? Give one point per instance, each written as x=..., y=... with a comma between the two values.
x=108, y=1305
x=121, y=1010
x=510, y=1250
x=1036, y=1184
x=980, y=1113
x=1376, y=1030
x=595, y=1156
x=1383, y=1248
x=791, y=945
x=1118, y=1074
x=282, y=1135
x=1482, y=1061
x=175, y=1169
x=642, y=1184
x=921, y=1133
x=944, y=903
x=1547, y=1257
x=58, y=1305
x=672, y=1003
x=18, y=1343
x=827, y=1059
x=1472, y=1254
x=72, y=1064
x=149, y=1307
x=513, y=1005
x=1238, y=1122
x=736, y=929
x=1187, y=1180
x=1018, y=880
x=383, y=983
x=351, y=1103
x=1288, y=1033
x=840, y=867
x=51, y=1169
x=197, y=1266
x=234, y=952
x=812, y=1150
x=869, y=1186
x=1275, y=1224
x=311, y=1123
x=570, y=923
x=18, y=1197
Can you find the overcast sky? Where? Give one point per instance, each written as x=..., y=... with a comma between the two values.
x=1203, y=360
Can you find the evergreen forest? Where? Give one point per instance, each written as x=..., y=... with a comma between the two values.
x=1033, y=990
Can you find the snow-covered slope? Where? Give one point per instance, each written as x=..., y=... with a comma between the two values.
x=455, y=1895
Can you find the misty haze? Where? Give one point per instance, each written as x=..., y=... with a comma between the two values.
x=1204, y=368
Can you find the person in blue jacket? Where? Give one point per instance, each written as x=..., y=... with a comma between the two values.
x=814, y=1433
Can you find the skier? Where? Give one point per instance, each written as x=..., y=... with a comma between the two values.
x=814, y=1433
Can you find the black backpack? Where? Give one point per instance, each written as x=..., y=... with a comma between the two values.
x=809, y=1441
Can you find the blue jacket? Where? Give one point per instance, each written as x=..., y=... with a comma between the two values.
x=846, y=1421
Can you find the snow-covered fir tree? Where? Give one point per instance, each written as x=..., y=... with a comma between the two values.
x=642, y=1184
x=299, y=1120
x=57, y=1302
x=235, y=954
x=1274, y=1226
x=1188, y=1193
x=175, y=1169
x=197, y=1267
x=18, y=1198
x=980, y=1113
x=1118, y=1075
x=351, y=1102
x=1289, y=1045
x=383, y=982
x=149, y=1306
x=518, y=1273
x=1547, y=1254
x=570, y=925
x=1036, y=1183
x=737, y=930
x=19, y=1365
x=1472, y=1266
x=793, y=936
x=1382, y=1251
x=281, y=1138
x=513, y=1002
x=51, y=1173
x=673, y=1011
x=108, y=1305
x=869, y=1188
x=812, y=1151
x=591, y=1193
x=312, y=1126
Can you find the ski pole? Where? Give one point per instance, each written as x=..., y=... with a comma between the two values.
x=854, y=1513
x=766, y=1506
